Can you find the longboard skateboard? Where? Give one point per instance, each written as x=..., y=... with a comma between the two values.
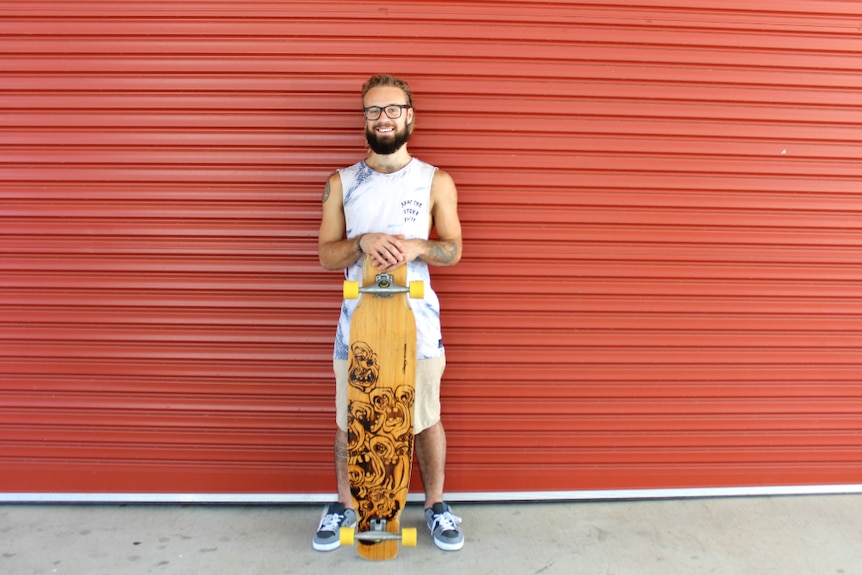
x=380, y=397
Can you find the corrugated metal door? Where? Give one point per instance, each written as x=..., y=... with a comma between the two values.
x=661, y=203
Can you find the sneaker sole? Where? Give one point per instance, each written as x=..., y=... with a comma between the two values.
x=326, y=546
x=449, y=546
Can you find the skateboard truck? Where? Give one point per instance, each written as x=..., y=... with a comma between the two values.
x=377, y=532
x=384, y=286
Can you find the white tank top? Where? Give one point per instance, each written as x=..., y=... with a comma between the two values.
x=397, y=203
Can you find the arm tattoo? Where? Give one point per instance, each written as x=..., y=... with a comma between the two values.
x=326, y=193
x=443, y=252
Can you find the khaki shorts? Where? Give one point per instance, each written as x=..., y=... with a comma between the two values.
x=429, y=372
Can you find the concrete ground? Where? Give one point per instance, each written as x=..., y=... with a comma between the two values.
x=790, y=535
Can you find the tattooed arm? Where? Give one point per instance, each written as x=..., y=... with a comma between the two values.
x=335, y=252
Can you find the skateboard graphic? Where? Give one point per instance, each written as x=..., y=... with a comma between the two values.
x=380, y=397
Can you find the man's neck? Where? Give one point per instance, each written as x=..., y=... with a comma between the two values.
x=389, y=163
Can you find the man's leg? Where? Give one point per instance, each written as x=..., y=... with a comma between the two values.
x=431, y=455
x=342, y=480
x=340, y=514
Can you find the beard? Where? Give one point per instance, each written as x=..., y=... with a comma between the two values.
x=388, y=144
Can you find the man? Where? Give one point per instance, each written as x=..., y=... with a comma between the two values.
x=385, y=207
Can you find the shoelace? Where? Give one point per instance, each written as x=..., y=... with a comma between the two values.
x=446, y=521
x=330, y=523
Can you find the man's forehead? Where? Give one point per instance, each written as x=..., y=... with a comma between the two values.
x=382, y=95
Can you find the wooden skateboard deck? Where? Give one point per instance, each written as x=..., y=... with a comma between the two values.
x=381, y=391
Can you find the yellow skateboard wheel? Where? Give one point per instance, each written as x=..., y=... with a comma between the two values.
x=351, y=289
x=345, y=535
x=417, y=290
x=408, y=536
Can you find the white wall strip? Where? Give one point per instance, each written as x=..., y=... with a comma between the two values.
x=501, y=497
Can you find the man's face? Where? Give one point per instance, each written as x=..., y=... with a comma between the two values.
x=387, y=135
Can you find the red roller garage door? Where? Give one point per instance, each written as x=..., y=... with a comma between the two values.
x=663, y=234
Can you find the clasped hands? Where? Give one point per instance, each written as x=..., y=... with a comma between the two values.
x=390, y=252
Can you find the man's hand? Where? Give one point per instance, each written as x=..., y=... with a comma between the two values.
x=387, y=252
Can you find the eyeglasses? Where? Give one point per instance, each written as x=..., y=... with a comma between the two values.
x=393, y=111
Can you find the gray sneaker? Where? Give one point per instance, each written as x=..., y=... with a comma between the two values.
x=444, y=525
x=334, y=518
